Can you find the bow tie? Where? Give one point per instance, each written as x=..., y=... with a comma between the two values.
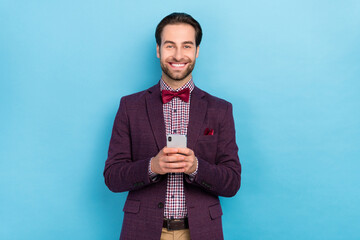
x=167, y=95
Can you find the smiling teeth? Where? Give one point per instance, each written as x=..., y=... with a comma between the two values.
x=178, y=65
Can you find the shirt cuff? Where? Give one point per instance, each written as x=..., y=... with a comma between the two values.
x=152, y=175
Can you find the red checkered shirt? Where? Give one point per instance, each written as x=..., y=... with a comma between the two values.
x=176, y=118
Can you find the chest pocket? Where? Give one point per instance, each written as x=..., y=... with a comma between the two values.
x=206, y=147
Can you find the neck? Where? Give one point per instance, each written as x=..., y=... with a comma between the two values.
x=175, y=84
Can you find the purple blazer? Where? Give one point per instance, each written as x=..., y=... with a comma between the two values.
x=139, y=134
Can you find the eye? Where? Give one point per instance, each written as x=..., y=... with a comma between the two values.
x=187, y=46
x=169, y=46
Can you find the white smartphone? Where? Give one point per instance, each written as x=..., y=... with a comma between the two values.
x=176, y=141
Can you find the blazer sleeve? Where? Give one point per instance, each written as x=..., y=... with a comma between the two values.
x=121, y=173
x=224, y=177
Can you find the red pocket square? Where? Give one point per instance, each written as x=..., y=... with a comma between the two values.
x=209, y=131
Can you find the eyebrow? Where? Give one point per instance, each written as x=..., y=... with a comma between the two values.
x=186, y=42
x=170, y=42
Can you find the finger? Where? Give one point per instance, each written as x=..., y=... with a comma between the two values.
x=167, y=150
x=179, y=170
x=185, y=151
x=174, y=158
x=176, y=165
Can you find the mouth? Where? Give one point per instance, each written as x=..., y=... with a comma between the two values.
x=177, y=65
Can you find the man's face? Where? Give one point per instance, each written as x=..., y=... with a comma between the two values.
x=178, y=51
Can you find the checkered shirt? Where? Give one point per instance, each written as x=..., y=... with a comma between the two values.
x=176, y=118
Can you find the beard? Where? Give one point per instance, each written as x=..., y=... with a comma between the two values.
x=177, y=76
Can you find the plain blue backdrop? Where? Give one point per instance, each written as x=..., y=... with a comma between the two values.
x=290, y=68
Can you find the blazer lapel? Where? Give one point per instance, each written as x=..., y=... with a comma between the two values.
x=155, y=112
x=198, y=109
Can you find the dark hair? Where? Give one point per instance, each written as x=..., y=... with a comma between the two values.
x=176, y=18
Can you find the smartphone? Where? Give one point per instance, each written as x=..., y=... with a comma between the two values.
x=176, y=141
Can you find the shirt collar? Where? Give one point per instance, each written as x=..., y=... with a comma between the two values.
x=190, y=84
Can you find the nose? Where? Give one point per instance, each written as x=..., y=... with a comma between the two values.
x=178, y=54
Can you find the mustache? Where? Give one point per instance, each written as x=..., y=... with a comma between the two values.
x=181, y=60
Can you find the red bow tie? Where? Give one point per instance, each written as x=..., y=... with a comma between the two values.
x=167, y=96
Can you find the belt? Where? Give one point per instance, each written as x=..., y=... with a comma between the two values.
x=176, y=224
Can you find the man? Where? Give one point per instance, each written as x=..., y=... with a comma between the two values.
x=173, y=192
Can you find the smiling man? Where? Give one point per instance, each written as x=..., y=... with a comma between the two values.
x=177, y=59
x=173, y=191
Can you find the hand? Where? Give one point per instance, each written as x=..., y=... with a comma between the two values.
x=190, y=160
x=174, y=160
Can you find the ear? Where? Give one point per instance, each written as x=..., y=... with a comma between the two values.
x=157, y=51
x=197, y=51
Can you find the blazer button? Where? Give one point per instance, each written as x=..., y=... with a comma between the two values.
x=160, y=205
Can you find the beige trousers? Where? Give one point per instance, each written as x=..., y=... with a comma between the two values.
x=175, y=235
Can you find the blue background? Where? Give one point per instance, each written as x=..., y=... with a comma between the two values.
x=290, y=68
